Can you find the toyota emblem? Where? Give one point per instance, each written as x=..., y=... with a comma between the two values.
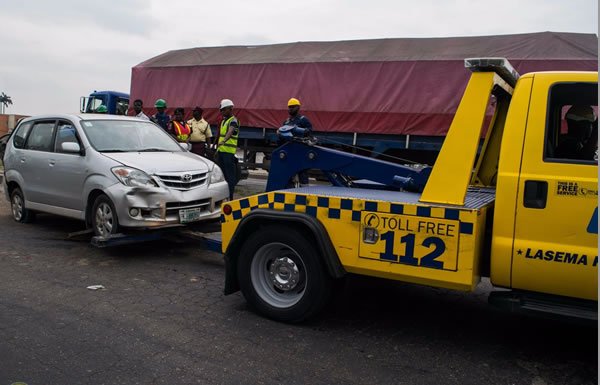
x=186, y=177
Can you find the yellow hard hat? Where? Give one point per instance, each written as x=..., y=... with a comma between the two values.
x=293, y=102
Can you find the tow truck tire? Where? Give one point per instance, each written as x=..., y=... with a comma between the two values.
x=17, y=205
x=282, y=275
x=104, y=217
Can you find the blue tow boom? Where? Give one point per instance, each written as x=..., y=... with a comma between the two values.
x=341, y=168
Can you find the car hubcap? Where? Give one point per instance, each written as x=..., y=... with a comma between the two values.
x=278, y=275
x=17, y=207
x=104, y=219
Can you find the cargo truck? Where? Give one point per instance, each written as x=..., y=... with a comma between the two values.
x=379, y=97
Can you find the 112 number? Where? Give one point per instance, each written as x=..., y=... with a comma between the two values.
x=408, y=258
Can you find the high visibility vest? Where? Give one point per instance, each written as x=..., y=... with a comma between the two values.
x=231, y=145
x=182, y=131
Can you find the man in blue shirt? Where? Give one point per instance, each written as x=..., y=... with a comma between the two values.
x=295, y=118
x=300, y=121
x=161, y=118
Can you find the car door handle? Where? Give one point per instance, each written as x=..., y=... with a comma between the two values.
x=51, y=162
x=535, y=194
x=23, y=160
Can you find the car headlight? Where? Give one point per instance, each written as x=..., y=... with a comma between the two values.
x=133, y=177
x=216, y=175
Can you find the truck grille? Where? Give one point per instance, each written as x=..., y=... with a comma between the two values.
x=183, y=180
x=174, y=207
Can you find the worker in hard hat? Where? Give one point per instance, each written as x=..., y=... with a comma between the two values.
x=229, y=130
x=576, y=144
x=161, y=118
x=178, y=127
x=298, y=120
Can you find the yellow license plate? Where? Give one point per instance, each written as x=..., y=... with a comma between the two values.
x=410, y=240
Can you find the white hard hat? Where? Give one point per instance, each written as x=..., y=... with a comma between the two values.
x=226, y=103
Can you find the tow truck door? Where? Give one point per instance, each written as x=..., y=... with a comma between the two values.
x=556, y=229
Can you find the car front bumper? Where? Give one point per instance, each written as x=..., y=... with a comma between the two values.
x=160, y=206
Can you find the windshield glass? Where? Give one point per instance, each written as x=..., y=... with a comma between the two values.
x=127, y=136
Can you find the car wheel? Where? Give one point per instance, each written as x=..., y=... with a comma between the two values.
x=104, y=217
x=19, y=211
x=281, y=274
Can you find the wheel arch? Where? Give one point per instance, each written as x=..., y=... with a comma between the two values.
x=11, y=186
x=306, y=224
x=95, y=193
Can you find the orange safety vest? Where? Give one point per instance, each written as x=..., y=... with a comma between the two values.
x=182, y=131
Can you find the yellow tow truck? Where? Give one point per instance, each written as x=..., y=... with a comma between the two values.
x=518, y=206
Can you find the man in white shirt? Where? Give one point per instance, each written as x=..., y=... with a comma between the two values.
x=137, y=108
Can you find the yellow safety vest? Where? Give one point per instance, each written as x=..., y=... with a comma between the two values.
x=231, y=145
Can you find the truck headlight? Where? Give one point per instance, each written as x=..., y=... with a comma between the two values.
x=216, y=175
x=133, y=177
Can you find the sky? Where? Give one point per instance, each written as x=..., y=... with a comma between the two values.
x=54, y=52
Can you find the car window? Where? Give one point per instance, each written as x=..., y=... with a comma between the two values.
x=65, y=133
x=41, y=137
x=21, y=135
x=128, y=136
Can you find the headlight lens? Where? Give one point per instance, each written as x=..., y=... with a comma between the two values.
x=133, y=177
x=216, y=175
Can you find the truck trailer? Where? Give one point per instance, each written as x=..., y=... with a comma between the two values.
x=377, y=97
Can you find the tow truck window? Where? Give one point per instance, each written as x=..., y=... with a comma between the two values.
x=569, y=140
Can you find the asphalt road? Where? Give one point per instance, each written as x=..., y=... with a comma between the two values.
x=162, y=319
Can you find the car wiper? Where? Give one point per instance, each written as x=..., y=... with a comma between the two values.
x=114, y=150
x=153, y=150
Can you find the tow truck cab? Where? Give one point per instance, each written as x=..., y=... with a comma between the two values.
x=514, y=210
x=116, y=103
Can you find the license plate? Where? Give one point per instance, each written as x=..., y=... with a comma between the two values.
x=410, y=240
x=190, y=215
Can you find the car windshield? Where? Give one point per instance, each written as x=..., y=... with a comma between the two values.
x=127, y=136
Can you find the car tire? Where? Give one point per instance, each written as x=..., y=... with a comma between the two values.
x=104, y=217
x=281, y=274
x=19, y=211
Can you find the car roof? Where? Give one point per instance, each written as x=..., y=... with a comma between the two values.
x=82, y=116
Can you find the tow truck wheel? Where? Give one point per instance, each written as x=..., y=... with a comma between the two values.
x=104, y=217
x=281, y=274
x=17, y=205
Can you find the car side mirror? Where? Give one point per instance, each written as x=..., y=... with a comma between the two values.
x=186, y=146
x=70, y=148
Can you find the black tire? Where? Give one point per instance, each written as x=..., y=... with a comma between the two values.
x=104, y=217
x=17, y=205
x=282, y=276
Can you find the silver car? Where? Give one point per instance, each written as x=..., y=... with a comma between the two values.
x=109, y=171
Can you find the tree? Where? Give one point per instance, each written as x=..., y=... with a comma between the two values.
x=5, y=100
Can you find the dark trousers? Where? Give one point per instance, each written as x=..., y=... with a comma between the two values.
x=226, y=161
x=199, y=148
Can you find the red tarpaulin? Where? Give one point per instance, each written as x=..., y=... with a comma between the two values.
x=391, y=86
